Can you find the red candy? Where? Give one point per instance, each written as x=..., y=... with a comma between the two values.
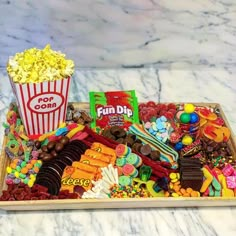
x=22, y=192
x=149, y=110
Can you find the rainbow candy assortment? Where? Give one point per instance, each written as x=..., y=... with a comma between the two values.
x=122, y=149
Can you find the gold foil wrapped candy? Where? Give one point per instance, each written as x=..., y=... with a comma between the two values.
x=36, y=65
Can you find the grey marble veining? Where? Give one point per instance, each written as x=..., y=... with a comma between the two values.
x=150, y=84
x=134, y=33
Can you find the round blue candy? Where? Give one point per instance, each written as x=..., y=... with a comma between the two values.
x=178, y=146
x=194, y=118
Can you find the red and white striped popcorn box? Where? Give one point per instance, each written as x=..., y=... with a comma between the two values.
x=42, y=106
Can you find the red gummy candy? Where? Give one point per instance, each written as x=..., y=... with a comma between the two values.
x=171, y=106
x=151, y=104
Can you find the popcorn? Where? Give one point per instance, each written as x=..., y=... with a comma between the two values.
x=35, y=65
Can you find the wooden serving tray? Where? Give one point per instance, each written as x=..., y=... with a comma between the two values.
x=115, y=203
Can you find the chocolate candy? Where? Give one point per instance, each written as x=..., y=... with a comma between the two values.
x=64, y=140
x=155, y=155
x=47, y=157
x=59, y=147
x=145, y=149
x=44, y=148
x=51, y=145
x=52, y=169
x=37, y=144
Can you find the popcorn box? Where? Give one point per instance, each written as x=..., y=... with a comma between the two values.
x=42, y=106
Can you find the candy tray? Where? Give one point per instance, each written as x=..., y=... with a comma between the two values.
x=115, y=203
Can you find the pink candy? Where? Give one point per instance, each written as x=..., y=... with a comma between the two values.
x=228, y=170
x=231, y=182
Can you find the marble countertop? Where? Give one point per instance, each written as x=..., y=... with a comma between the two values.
x=150, y=84
x=133, y=33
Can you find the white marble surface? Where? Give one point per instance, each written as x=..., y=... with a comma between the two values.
x=164, y=85
x=121, y=33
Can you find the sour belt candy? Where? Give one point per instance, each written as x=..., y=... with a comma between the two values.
x=167, y=153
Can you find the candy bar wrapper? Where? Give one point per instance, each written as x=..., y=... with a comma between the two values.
x=74, y=178
x=42, y=106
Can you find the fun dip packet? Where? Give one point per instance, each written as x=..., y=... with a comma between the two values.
x=114, y=108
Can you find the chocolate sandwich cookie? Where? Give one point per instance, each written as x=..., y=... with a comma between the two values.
x=53, y=187
x=45, y=177
x=72, y=155
x=55, y=166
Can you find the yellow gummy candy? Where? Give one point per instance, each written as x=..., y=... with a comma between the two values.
x=208, y=180
x=75, y=131
x=175, y=195
x=226, y=192
x=173, y=176
x=9, y=169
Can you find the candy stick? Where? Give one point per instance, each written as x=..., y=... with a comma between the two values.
x=112, y=171
x=105, y=170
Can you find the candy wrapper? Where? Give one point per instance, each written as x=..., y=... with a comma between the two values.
x=40, y=80
x=76, y=180
x=116, y=108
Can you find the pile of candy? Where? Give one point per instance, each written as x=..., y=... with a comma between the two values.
x=172, y=151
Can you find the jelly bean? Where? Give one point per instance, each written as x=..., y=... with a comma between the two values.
x=16, y=181
x=13, y=165
x=22, y=176
x=9, y=169
x=35, y=154
x=23, y=164
x=32, y=161
x=36, y=169
x=18, y=168
x=10, y=176
x=26, y=180
x=24, y=170
x=17, y=174
x=32, y=176
x=29, y=166
x=9, y=181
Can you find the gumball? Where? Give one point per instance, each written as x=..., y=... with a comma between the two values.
x=187, y=140
x=189, y=108
x=194, y=118
x=178, y=146
x=185, y=118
